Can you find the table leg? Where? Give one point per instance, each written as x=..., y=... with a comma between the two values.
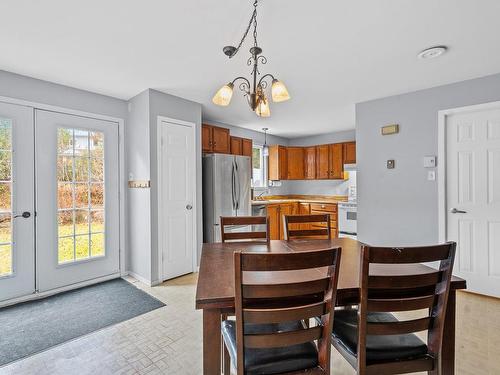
x=448, y=350
x=211, y=342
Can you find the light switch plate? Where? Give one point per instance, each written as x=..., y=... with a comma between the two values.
x=429, y=162
x=431, y=175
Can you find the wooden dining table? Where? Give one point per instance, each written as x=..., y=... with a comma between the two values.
x=215, y=289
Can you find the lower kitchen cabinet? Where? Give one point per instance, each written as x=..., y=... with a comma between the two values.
x=276, y=214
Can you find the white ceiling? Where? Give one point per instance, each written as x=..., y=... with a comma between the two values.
x=330, y=53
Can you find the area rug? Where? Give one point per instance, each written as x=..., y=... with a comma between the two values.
x=31, y=327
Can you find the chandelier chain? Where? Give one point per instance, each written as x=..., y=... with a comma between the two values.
x=253, y=20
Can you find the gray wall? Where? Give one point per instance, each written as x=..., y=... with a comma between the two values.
x=399, y=206
x=139, y=200
x=35, y=90
x=161, y=104
x=143, y=165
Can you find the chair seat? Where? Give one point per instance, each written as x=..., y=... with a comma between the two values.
x=271, y=360
x=378, y=347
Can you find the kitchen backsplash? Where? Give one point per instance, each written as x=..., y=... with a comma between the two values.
x=313, y=187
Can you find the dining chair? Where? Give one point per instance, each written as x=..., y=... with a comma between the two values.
x=247, y=221
x=371, y=338
x=274, y=294
x=298, y=232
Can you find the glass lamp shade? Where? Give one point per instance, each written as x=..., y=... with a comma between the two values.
x=279, y=91
x=263, y=109
x=224, y=95
x=265, y=150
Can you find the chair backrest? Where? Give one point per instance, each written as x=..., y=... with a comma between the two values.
x=397, y=292
x=297, y=221
x=249, y=221
x=276, y=295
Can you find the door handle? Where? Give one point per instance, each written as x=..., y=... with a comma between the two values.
x=455, y=211
x=189, y=207
x=25, y=215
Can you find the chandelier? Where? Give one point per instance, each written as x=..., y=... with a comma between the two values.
x=255, y=91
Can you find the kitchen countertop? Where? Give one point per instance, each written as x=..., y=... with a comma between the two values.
x=300, y=199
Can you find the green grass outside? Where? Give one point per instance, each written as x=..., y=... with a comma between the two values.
x=65, y=250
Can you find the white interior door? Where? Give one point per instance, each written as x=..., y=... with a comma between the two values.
x=176, y=174
x=77, y=193
x=17, y=255
x=473, y=197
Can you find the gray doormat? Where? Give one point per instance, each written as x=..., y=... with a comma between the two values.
x=31, y=327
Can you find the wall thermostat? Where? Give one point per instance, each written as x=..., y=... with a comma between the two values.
x=391, y=164
x=429, y=161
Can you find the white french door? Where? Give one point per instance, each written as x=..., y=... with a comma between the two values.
x=176, y=173
x=17, y=255
x=473, y=196
x=77, y=187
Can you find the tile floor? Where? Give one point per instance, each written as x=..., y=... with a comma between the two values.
x=168, y=340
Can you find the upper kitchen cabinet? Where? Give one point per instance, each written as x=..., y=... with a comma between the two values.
x=350, y=153
x=278, y=163
x=246, y=146
x=241, y=146
x=310, y=163
x=336, y=161
x=215, y=139
x=295, y=163
x=329, y=161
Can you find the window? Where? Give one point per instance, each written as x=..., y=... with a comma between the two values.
x=6, y=256
x=80, y=175
x=259, y=168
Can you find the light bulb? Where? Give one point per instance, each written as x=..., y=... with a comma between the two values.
x=279, y=91
x=263, y=109
x=224, y=95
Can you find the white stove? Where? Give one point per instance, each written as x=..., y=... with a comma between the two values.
x=347, y=216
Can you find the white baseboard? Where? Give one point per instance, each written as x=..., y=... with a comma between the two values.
x=142, y=279
x=51, y=292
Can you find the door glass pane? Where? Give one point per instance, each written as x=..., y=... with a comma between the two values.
x=80, y=171
x=6, y=249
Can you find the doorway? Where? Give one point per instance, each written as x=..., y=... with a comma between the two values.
x=470, y=193
x=176, y=197
x=59, y=198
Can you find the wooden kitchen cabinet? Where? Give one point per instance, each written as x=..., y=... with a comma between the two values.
x=241, y=146
x=304, y=209
x=350, y=153
x=310, y=163
x=246, y=147
x=326, y=208
x=336, y=161
x=215, y=139
x=323, y=162
x=278, y=163
x=295, y=163
x=273, y=213
x=329, y=161
x=235, y=147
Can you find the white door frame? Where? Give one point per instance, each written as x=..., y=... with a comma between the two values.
x=192, y=125
x=122, y=184
x=441, y=167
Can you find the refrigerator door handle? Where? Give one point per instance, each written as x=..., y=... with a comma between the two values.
x=233, y=186
x=238, y=186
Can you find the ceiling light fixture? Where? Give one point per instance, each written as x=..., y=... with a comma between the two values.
x=255, y=94
x=432, y=52
x=265, y=148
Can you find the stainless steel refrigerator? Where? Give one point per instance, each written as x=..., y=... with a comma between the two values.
x=226, y=191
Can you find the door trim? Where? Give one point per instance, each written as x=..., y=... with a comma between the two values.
x=441, y=167
x=122, y=188
x=192, y=125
